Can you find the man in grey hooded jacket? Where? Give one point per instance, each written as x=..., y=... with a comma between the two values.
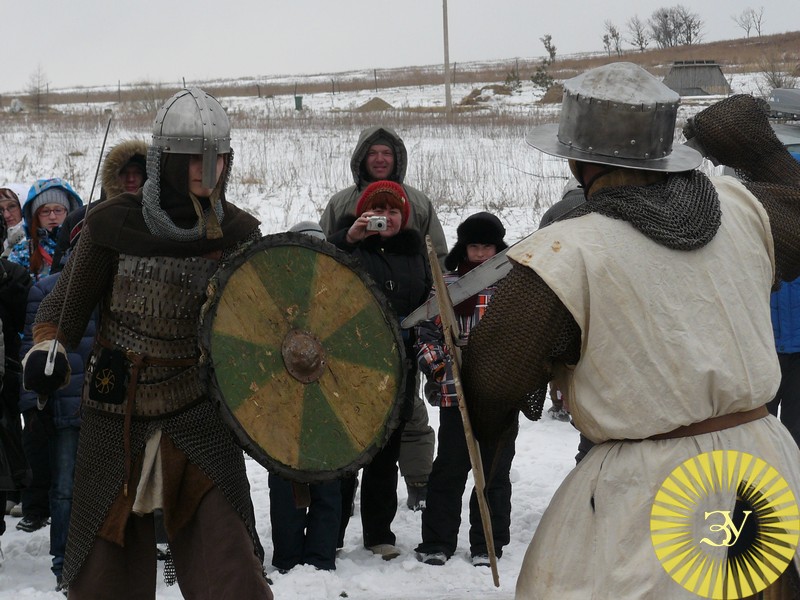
x=381, y=154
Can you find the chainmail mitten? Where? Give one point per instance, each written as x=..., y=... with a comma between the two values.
x=736, y=132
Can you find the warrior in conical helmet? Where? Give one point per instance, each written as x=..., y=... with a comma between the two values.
x=649, y=306
x=151, y=438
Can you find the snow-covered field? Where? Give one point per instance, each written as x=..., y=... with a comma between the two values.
x=287, y=165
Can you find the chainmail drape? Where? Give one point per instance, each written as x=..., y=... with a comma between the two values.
x=156, y=218
x=681, y=213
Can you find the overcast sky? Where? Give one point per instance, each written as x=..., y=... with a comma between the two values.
x=87, y=43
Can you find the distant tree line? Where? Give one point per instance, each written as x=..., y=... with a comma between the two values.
x=670, y=27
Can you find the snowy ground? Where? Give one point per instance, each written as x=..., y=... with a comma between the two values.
x=545, y=451
x=284, y=174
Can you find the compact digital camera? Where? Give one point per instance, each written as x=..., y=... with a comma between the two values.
x=376, y=223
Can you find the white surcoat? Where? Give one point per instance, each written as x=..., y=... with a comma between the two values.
x=668, y=338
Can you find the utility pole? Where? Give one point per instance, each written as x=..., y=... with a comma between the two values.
x=448, y=102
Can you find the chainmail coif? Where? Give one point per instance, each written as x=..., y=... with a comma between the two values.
x=157, y=219
x=681, y=213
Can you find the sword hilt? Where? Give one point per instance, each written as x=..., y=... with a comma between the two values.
x=50, y=364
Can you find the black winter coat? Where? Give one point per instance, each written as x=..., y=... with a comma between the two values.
x=396, y=264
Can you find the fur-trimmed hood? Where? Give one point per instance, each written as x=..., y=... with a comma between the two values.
x=119, y=156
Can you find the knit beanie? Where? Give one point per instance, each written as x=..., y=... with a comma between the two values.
x=480, y=228
x=384, y=194
x=50, y=196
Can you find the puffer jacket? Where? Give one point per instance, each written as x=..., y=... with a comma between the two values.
x=64, y=405
x=21, y=252
x=343, y=203
x=785, y=307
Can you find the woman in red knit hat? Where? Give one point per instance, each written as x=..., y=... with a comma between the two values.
x=391, y=254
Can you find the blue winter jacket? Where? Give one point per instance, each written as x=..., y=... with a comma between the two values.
x=64, y=404
x=785, y=305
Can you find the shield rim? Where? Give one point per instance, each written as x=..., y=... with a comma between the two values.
x=216, y=287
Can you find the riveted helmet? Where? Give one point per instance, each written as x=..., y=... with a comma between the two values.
x=619, y=115
x=194, y=122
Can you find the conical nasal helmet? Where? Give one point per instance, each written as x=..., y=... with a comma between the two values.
x=194, y=122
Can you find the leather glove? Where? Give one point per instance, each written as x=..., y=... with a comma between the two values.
x=33, y=369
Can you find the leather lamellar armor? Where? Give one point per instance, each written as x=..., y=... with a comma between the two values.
x=146, y=350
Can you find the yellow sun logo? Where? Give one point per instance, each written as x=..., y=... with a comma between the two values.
x=104, y=382
x=725, y=524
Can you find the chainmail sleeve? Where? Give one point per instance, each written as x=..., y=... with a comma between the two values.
x=782, y=203
x=736, y=132
x=90, y=268
x=509, y=358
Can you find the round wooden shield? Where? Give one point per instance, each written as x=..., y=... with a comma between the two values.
x=303, y=357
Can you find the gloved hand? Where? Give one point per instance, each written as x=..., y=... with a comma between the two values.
x=33, y=369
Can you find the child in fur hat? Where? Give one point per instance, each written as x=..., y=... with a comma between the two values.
x=480, y=237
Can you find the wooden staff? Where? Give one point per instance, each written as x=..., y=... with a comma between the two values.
x=451, y=335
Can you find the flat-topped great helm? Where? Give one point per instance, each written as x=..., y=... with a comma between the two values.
x=619, y=115
x=194, y=122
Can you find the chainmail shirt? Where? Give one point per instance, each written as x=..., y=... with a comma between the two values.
x=197, y=431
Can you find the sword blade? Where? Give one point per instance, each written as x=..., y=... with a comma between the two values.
x=480, y=277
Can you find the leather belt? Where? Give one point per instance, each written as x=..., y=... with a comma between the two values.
x=714, y=424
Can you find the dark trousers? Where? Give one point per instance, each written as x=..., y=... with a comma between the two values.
x=213, y=558
x=441, y=518
x=418, y=442
x=788, y=396
x=378, y=495
x=35, y=442
x=304, y=536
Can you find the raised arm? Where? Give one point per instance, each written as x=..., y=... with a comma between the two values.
x=736, y=132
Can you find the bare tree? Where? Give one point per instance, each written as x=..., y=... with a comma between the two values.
x=744, y=21
x=750, y=19
x=607, y=44
x=777, y=71
x=662, y=28
x=689, y=26
x=547, y=40
x=675, y=26
x=614, y=39
x=38, y=86
x=758, y=20
x=638, y=31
